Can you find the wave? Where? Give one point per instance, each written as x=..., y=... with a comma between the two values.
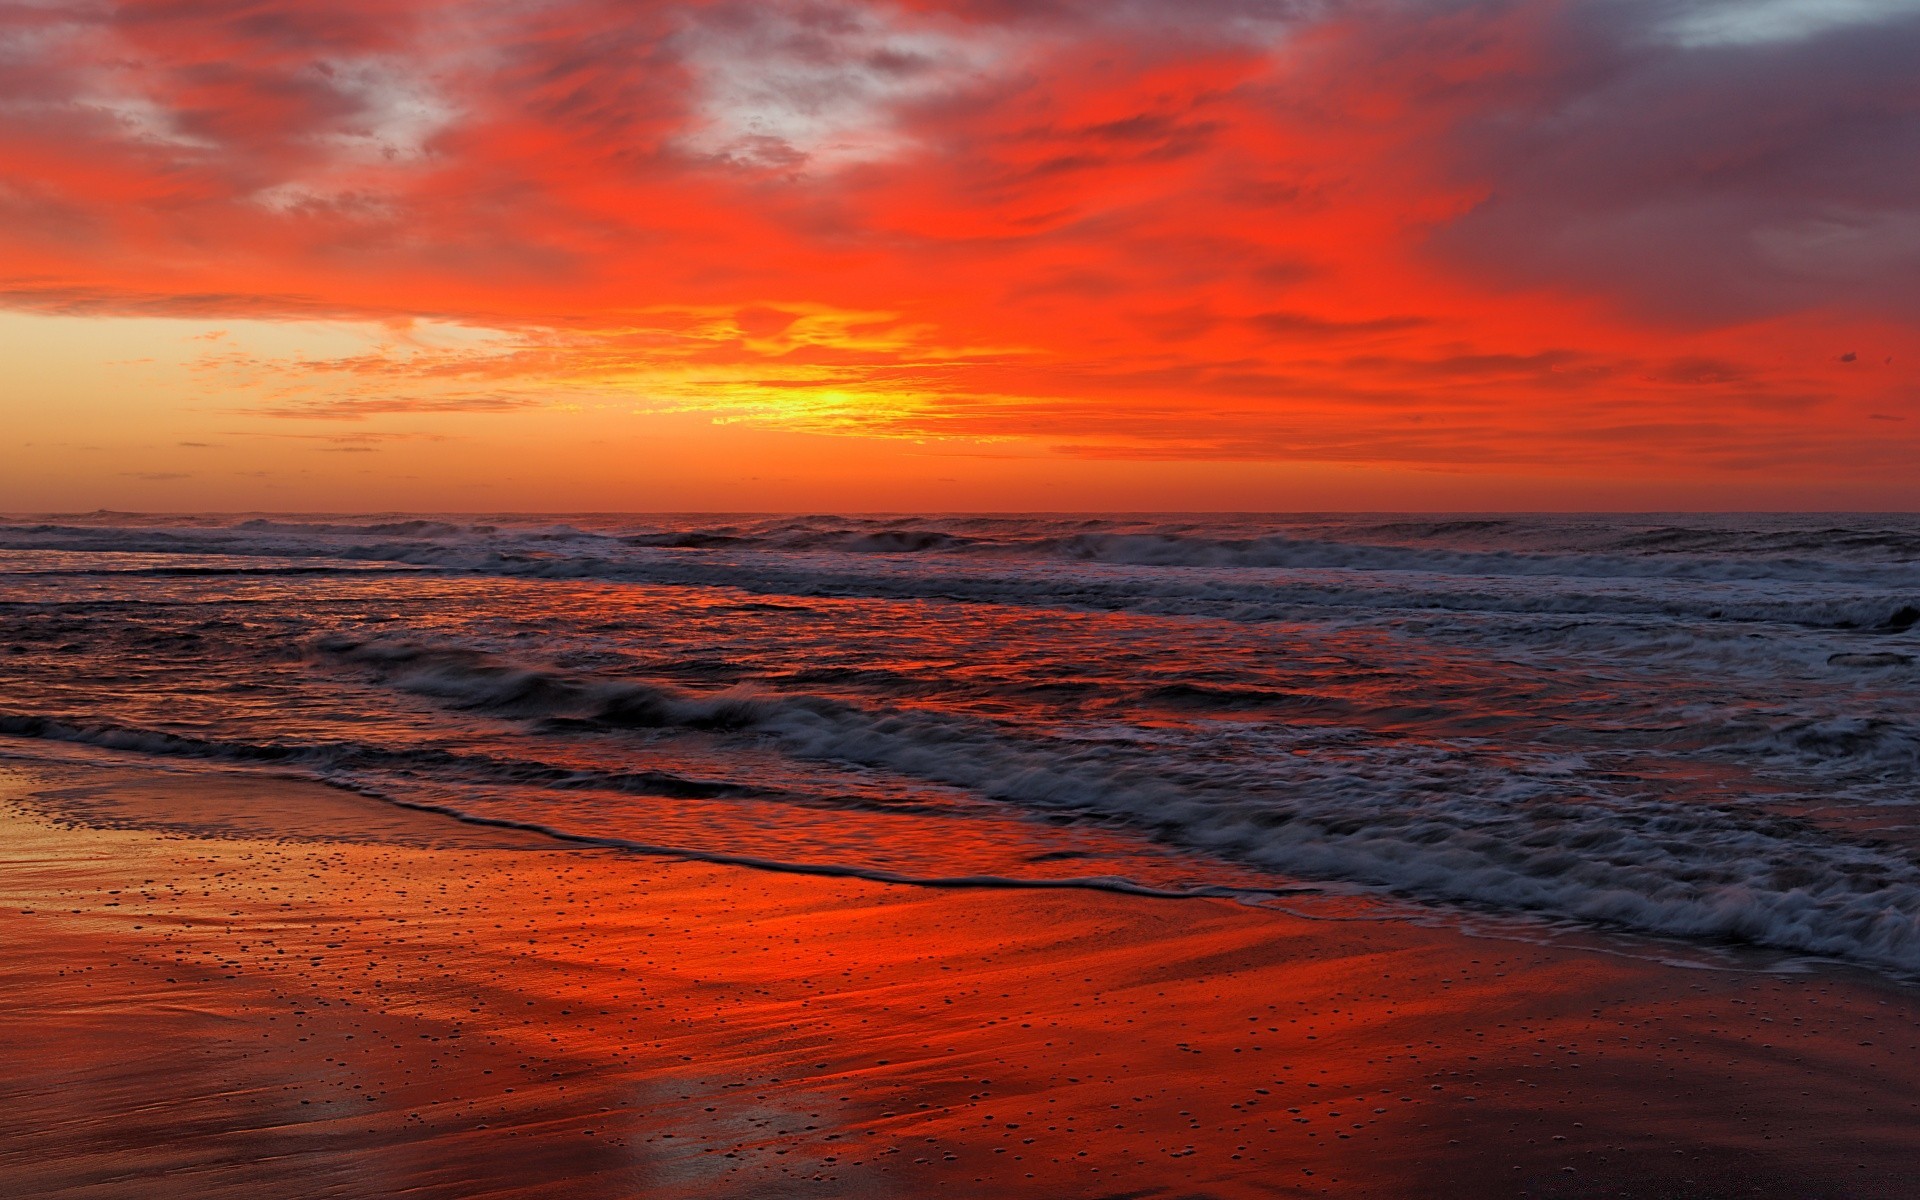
x=1271, y=577
x=1439, y=821
x=1556, y=715
x=338, y=756
x=213, y=572
x=413, y=527
x=1503, y=546
x=1710, y=554
x=1112, y=884
x=1881, y=743
x=1097, y=883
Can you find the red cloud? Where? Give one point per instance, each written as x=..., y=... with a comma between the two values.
x=1543, y=232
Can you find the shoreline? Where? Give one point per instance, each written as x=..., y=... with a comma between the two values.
x=390, y=1004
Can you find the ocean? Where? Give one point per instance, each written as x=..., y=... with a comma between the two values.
x=1692, y=730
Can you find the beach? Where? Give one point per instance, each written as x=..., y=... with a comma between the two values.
x=783, y=599
x=229, y=983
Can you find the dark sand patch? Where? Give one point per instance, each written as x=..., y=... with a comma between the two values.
x=349, y=1017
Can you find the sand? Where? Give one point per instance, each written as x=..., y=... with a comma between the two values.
x=238, y=985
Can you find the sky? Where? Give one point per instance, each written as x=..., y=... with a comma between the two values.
x=567, y=255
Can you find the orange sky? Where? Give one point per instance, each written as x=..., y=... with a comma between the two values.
x=607, y=254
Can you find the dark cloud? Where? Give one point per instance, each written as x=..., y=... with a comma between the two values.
x=1701, y=183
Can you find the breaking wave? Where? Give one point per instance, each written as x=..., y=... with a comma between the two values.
x=1003, y=561
x=1436, y=821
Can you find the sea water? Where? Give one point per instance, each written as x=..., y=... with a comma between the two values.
x=1700, y=727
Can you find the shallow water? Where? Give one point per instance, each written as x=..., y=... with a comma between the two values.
x=1687, y=726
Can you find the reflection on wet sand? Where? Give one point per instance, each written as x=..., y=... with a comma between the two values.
x=371, y=1010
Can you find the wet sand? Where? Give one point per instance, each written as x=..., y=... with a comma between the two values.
x=235, y=985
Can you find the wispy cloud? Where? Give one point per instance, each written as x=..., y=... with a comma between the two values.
x=359, y=408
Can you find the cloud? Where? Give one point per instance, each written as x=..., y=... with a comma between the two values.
x=1738, y=22
x=1386, y=230
x=820, y=84
x=354, y=443
x=1303, y=325
x=1706, y=181
x=111, y=301
x=359, y=408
